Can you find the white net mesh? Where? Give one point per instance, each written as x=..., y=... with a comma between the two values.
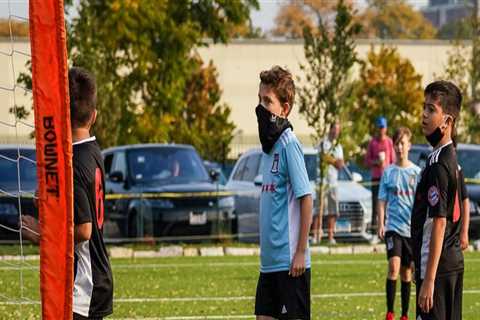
x=18, y=259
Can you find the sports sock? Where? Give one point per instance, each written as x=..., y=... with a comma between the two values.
x=405, y=297
x=391, y=287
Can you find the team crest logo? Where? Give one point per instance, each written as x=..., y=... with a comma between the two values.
x=276, y=159
x=433, y=196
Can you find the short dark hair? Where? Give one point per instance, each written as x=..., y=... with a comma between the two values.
x=448, y=95
x=281, y=81
x=83, y=96
x=400, y=133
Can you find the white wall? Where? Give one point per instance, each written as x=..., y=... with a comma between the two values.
x=240, y=63
x=13, y=56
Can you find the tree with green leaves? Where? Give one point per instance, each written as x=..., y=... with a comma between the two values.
x=388, y=86
x=327, y=88
x=205, y=122
x=142, y=54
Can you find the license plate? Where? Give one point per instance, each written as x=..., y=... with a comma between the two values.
x=198, y=218
x=343, y=226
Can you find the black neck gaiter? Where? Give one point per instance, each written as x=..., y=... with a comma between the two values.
x=270, y=127
x=435, y=137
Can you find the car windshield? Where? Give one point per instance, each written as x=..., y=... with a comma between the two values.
x=312, y=169
x=8, y=168
x=419, y=154
x=468, y=159
x=166, y=165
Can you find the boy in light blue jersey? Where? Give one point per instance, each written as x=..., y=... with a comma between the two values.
x=283, y=290
x=396, y=196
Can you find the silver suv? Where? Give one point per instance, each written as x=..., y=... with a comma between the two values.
x=245, y=181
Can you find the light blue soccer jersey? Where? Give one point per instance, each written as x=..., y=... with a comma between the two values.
x=285, y=180
x=397, y=189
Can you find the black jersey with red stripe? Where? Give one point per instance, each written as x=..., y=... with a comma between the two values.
x=93, y=286
x=438, y=195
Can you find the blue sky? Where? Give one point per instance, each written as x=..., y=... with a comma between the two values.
x=264, y=18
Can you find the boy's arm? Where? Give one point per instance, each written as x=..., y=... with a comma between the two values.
x=425, y=298
x=298, y=264
x=382, y=203
x=465, y=224
x=82, y=232
x=30, y=228
x=381, y=217
x=82, y=216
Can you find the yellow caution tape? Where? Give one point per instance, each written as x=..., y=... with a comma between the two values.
x=157, y=195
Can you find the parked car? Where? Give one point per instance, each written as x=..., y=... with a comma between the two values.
x=12, y=189
x=210, y=165
x=163, y=190
x=246, y=180
x=468, y=156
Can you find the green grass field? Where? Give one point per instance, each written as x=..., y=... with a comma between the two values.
x=343, y=287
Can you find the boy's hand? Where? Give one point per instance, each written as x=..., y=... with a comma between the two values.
x=425, y=297
x=381, y=232
x=464, y=240
x=298, y=264
x=30, y=228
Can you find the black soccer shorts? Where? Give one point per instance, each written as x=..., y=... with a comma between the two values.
x=398, y=246
x=282, y=296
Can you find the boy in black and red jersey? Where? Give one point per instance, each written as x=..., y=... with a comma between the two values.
x=436, y=217
x=93, y=284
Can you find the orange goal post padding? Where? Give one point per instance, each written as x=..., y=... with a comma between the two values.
x=54, y=156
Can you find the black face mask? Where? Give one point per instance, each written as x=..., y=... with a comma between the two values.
x=435, y=137
x=270, y=127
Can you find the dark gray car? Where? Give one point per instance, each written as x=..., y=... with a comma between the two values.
x=162, y=190
x=468, y=156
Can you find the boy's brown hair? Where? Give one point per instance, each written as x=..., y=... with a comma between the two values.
x=83, y=96
x=400, y=133
x=281, y=82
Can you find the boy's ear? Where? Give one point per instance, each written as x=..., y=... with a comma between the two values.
x=286, y=109
x=445, y=122
x=94, y=118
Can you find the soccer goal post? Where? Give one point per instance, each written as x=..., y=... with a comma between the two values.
x=54, y=155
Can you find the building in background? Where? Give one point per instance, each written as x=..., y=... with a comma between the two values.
x=442, y=12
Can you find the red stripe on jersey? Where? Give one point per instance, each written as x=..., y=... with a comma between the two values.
x=99, y=198
x=456, y=208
